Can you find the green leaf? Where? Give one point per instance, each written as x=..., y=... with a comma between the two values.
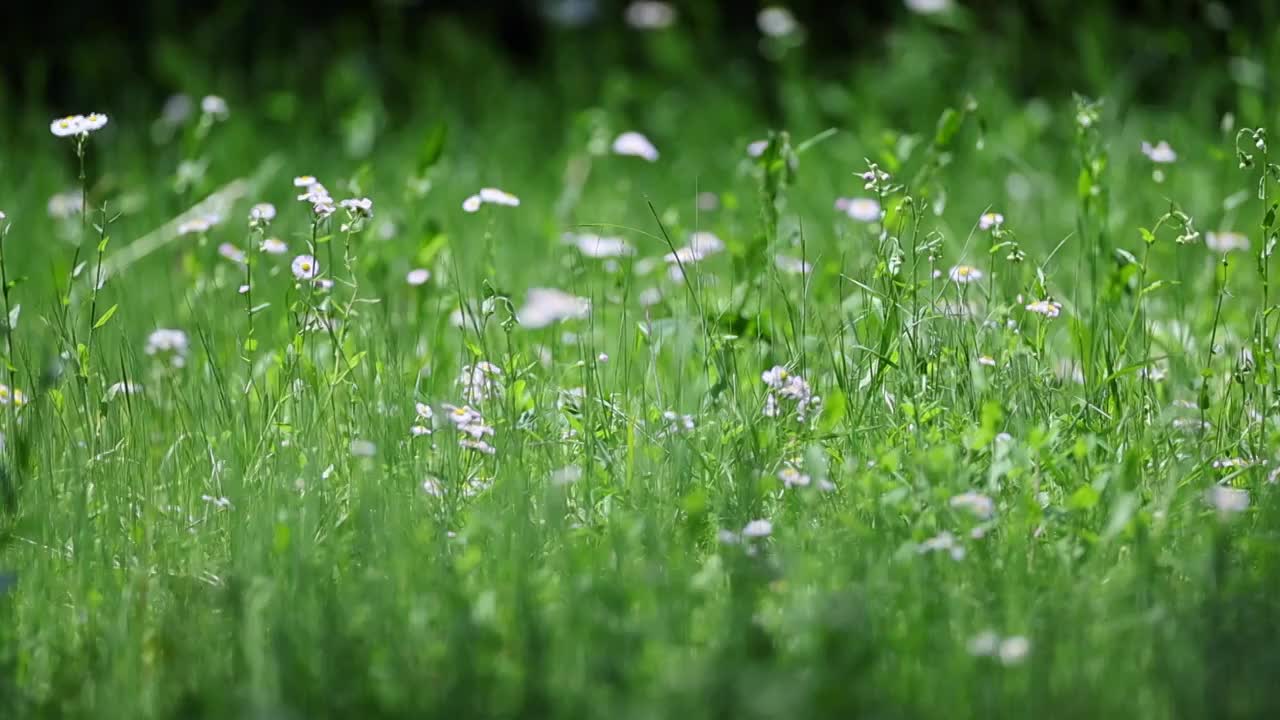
x=834, y=408
x=106, y=316
x=948, y=125
x=1084, y=499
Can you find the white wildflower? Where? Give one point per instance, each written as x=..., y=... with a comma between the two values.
x=634, y=144
x=232, y=253
x=261, y=214
x=418, y=276
x=273, y=246
x=650, y=15
x=990, y=220
x=942, y=542
x=600, y=246
x=1047, y=308
x=776, y=21
x=168, y=344
x=544, y=306
x=1225, y=241
x=757, y=529
x=1160, y=153
x=979, y=505
x=964, y=274
x=1227, y=500
x=215, y=107
x=862, y=209
x=792, y=265
x=305, y=267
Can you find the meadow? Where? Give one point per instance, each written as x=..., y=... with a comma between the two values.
x=617, y=392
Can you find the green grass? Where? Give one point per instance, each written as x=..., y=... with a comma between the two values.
x=584, y=569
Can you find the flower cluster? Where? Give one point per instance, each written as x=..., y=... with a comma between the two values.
x=78, y=125
x=12, y=395
x=316, y=194
x=168, y=345
x=480, y=382
x=793, y=390
x=423, y=416
x=471, y=425
x=1047, y=308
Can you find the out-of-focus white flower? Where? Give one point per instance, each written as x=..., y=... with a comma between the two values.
x=1234, y=463
x=942, y=542
x=363, y=448
x=124, y=387
x=1225, y=241
x=274, y=246
x=215, y=107
x=984, y=644
x=220, y=503
x=928, y=7
x=566, y=475
x=1227, y=500
x=633, y=144
x=544, y=306
x=791, y=388
x=68, y=126
x=198, y=225
x=677, y=423
x=989, y=220
x=480, y=382
x=776, y=21
x=494, y=196
x=12, y=395
x=757, y=147
x=232, y=253
x=701, y=245
x=1013, y=650
x=964, y=274
x=649, y=297
x=418, y=276
x=865, y=210
x=305, y=181
x=600, y=246
x=757, y=529
x=472, y=204
x=168, y=344
x=358, y=207
x=65, y=204
x=979, y=505
x=262, y=213
x=792, y=265
x=1160, y=153
x=792, y=477
x=305, y=267
x=986, y=360
x=1047, y=308
x=650, y=15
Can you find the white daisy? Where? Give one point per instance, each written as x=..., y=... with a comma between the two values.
x=305, y=267
x=964, y=274
x=990, y=220
x=865, y=210
x=262, y=213
x=215, y=107
x=274, y=246
x=1160, y=153
x=757, y=529
x=1047, y=308
x=418, y=276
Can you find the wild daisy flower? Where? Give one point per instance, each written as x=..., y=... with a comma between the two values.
x=633, y=144
x=989, y=220
x=168, y=345
x=756, y=148
x=1013, y=650
x=471, y=425
x=786, y=387
x=273, y=246
x=987, y=361
x=472, y=204
x=418, y=276
x=865, y=210
x=650, y=15
x=757, y=529
x=1047, y=308
x=1160, y=153
x=78, y=125
x=964, y=274
x=305, y=181
x=701, y=245
x=544, y=306
x=358, y=207
x=305, y=267
x=424, y=416
x=12, y=395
